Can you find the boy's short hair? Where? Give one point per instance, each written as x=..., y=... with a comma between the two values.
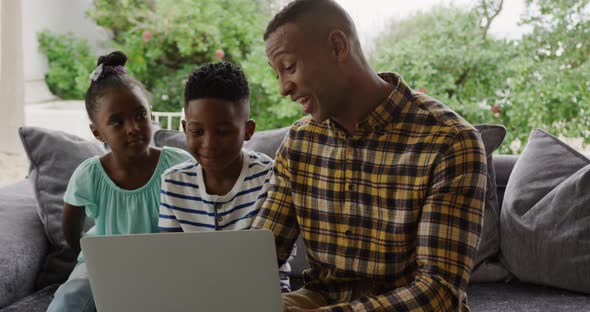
x=222, y=80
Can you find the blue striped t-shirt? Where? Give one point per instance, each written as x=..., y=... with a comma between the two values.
x=185, y=205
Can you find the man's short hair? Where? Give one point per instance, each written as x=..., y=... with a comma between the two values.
x=223, y=80
x=290, y=13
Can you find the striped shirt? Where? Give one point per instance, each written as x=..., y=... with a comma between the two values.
x=392, y=215
x=185, y=205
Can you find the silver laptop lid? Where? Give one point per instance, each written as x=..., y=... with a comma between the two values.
x=202, y=271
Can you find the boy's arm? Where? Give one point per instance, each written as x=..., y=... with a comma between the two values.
x=167, y=220
x=72, y=220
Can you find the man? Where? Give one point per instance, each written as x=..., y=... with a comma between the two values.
x=385, y=184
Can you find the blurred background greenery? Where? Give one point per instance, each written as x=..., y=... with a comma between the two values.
x=541, y=80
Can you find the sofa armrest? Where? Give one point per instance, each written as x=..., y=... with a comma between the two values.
x=23, y=244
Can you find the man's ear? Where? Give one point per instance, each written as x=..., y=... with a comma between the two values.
x=250, y=127
x=339, y=44
x=183, y=126
x=96, y=133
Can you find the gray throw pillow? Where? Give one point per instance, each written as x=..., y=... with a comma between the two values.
x=545, y=217
x=489, y=246
x=267, y=141
x=54, y=155
x=171, y=138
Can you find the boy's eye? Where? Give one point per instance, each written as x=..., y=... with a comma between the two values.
x=116, y=123
x=198, y=131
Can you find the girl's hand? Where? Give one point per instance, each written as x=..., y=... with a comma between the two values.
x=72, y=220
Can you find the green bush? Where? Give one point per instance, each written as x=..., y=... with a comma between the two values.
x=70, y=62
x=164, y=40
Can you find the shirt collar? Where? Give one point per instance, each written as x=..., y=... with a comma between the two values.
x=383, y=114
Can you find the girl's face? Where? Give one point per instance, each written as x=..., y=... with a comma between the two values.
x=122, y=120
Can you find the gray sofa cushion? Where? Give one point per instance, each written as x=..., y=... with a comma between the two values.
x=520, y=297
x=22, y=242
x=545, y=233
x=54, y=155
x=37, y=302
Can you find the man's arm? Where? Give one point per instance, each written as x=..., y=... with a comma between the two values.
x=277, y=213
x=449, y=231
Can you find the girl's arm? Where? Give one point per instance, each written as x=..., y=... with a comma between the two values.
x=72, y=220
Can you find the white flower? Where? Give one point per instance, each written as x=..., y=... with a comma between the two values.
x=164, y=97
x=515, y=145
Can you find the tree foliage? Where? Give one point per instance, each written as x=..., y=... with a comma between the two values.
x=541, y=80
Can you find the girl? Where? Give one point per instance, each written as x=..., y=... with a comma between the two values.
x=121, y=189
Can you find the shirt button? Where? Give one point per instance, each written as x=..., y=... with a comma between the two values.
x=219, y=219
x=351, y=187
x=348, y=232
x=217, y=206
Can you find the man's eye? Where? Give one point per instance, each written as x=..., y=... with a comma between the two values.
x=116, y=123
x=198, y=132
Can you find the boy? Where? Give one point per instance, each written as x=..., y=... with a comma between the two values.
x=225, y=187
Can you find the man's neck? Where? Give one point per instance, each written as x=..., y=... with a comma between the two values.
x=366, y=95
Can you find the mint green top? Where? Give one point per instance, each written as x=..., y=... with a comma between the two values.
x=116, y=210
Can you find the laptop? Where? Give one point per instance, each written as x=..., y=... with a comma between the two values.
x=203, y=271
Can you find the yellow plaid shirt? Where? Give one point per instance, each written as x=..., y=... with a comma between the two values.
x=391, y=216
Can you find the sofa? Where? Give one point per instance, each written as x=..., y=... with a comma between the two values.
x=28, y=248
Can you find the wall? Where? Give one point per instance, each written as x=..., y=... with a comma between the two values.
x=64, y=16
x=11, y=76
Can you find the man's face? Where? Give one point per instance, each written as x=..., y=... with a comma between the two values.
x=305, y=71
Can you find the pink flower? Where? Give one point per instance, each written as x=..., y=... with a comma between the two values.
x=147, y=36
x=219, y=54
x=496, y=109
x=422, y=90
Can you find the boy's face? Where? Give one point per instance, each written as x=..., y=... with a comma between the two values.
x=215, y=132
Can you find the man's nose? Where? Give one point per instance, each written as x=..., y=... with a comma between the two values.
x=286, y=86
